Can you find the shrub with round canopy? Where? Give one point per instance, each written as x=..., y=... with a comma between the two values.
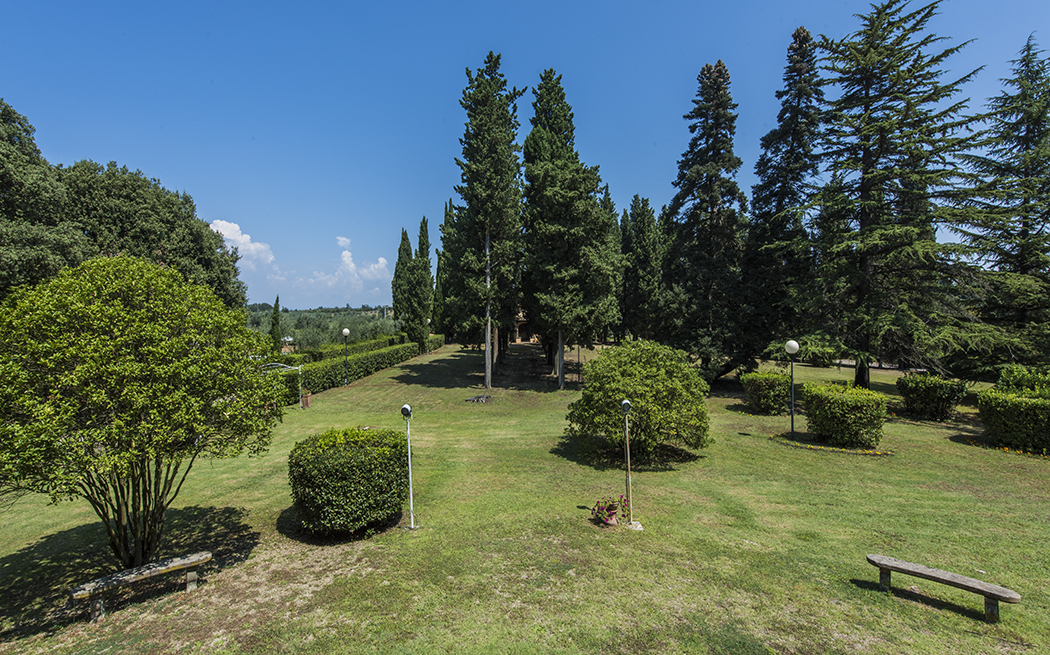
x=115, y=376
x=666, y=393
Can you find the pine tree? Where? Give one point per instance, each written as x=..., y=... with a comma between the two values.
x=1011, y=237
x=570, y=260
x=776, y=264
x=707, y=215
x=642, y=269
x=483, y=246
x=894, y=135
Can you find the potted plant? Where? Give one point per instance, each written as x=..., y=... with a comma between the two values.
x=606, y=508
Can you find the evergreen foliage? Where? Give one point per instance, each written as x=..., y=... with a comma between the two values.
x=276, y=335
x=768, y=392
x=930, y=396
x=483, y=242
x=894, y=134
x=844, y=416
x=570, y=258
x=643, y=252
x=707, y=216
x=401, y=282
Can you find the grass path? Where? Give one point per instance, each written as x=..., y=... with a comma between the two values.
x=751, y=547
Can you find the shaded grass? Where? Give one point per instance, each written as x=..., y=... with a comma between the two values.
x=749, y=547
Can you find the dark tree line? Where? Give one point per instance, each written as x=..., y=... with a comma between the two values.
x=875, y=150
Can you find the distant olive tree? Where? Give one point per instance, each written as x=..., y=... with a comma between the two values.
x=115, y=377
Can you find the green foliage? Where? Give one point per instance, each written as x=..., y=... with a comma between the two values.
x=337, y=350
x=930, y=396
x=768, y=392
x=702, y=266
x=1016, y=412
x=346, y=480
x=643, y=251
x=666, y=394
x=844, y=416
x=276, y=336
x=331, y=373
x=115, y=376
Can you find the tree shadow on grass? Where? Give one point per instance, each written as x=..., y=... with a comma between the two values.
x=922, y=598
x=35, y=582
x=589, y=452
x=524, y=368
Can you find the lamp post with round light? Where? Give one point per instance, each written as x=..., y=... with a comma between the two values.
x=346, y=370
x=406, y=411
x=792, y=347
x=626, y=407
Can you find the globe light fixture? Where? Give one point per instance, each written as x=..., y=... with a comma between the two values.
x=346, y=374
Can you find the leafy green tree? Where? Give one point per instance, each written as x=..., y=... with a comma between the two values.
x=707, y=213
x=776, y=265
x=276, y=335
x=483, y=246
x=116, y=376
x=420, y=302
x=644, y=252
x=893, y=139
x=666, y=394
x=570, y=259
x=1011, y=236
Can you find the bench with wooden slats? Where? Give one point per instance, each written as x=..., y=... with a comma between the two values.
x=992, y=593
x=94, y=590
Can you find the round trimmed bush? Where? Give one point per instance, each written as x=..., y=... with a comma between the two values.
x=930, y=396
x=768, y=392
x=844, y=416
x=346, y=480
x=666, y=393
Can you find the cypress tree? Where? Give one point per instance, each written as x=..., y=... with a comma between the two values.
x=642, y=269
x=401, y=282
x=276, y=335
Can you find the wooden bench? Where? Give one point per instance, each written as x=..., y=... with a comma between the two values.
x=992, y=593
x=94, y=590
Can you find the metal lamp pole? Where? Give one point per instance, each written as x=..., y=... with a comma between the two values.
x=346, y=373
x=792, y=347
x=626, y=407
x=406, y=411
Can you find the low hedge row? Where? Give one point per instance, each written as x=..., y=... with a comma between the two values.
x=844, y=416
x=332, y=351
x=1016, y=411
x=768, y=392
x=930, y=396
x=346, y=480
x=330, y=373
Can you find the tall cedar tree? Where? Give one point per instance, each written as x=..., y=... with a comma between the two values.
x=401, y=282
x=444, y=322
x=777, y=263
x=893, y=138
x=1012, y=235
x=614, y=239
x=569, y=264
x=482, y=247
x=702, y=269
x=643, y=254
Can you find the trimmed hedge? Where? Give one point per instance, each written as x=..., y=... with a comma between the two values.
x=1016, y=412
x=768, y=392
x=844, y=416
x=332, y=351
x=930, y=396
x=346, y=480
x=320, y=376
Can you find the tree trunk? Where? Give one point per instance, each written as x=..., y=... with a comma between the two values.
x=561, y=359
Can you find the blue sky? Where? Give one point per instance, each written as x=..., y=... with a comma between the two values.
x=311, y=133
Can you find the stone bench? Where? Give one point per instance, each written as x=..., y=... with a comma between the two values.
x=95, y=589
x=992, y=593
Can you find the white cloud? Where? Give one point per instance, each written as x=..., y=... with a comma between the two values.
x=351, y=276
x=250, y=252
x=343, y=242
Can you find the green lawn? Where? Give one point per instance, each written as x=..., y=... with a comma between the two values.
x=750, y=547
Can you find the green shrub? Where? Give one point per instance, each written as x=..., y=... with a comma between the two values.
x=666, y=394
x=1016, y=412
x=768, y=392
x=844, y=416
x=930, y=396
x=346, y=480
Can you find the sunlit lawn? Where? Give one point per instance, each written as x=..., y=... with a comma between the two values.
x=750, y=547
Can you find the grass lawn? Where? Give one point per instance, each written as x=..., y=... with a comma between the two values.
x=750, y=546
